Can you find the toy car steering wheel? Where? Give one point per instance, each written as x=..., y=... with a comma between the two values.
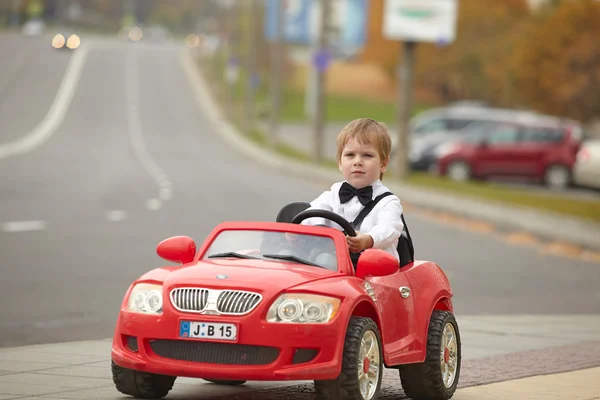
x=338, y=219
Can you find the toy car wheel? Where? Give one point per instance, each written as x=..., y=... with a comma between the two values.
x=437, y=377
x=362, y=365
x=142, y=385
x=220, y=382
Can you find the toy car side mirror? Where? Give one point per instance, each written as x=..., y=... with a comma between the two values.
x=376, y=262
x=181, y=249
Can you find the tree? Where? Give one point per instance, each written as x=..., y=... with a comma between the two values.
x=477, y=65
x=559, y=61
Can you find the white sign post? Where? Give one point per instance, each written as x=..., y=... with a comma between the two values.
x=413, y=21
x=420, y=20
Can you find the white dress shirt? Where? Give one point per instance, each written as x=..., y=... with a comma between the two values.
x=383, y=223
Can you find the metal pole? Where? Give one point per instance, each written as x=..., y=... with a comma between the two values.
x=277, y=57
x=319, y=117
x=15, y=13
x=404, y=110
x=249, y=109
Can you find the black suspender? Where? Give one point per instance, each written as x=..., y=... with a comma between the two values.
x=406, y=250
x=368, y=208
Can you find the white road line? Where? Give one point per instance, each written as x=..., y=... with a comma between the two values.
x=116, y=215
x=23, y=226
x=55, y=115
x=153, y=204
x=137, y=138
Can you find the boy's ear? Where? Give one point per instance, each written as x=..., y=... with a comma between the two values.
x=384, y=164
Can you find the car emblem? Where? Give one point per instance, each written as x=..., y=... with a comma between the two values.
x=222, y=277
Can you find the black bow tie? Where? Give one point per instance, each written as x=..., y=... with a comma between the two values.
x=348, y=191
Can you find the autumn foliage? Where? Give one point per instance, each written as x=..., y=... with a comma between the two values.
x=558, y=61
x=509, y=55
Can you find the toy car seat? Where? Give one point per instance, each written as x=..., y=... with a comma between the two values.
x=289, y=211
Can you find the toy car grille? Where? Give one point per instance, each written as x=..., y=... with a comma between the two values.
x=200, y=300
x=237, y=302
x=214, y=353
x=189, y=299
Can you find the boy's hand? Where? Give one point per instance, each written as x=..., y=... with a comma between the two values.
x=359, y=242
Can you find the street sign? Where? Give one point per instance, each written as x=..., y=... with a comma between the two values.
x=322, y=59
x=254, y=81
x=420, y=20
x=296, y=20
x=302, y=21
x=232, y=70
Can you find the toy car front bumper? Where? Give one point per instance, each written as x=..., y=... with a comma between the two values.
x=263, y=351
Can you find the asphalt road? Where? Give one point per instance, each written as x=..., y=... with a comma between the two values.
x=134, y=160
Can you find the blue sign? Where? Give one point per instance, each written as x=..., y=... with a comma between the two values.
x=254, y=81
x=322, y=59
x=299, y=24
x=234, y=61
x=296, y=20
x=354, y=32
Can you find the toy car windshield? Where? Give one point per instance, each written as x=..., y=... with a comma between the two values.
x=318, y=251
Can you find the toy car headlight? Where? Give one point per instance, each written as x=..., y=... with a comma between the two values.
x=146, y=298
x=303, y=309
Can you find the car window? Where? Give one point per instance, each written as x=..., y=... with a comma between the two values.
x=543, y=135
x=455, y=124
x=432, y=125
x=504, y=134
x=318, y=250
x=477, y=129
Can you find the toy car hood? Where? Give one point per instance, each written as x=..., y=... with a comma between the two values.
x=250, y=274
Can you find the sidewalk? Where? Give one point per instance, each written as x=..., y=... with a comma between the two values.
x=501, y=356
x=577, y=385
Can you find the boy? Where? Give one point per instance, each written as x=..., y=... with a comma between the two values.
x=363, y=154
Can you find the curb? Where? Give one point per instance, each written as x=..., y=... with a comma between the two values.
x=544, y=224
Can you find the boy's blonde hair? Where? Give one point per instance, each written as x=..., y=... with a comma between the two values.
x=366, y=131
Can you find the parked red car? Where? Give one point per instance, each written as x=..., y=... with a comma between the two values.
x=538, y=150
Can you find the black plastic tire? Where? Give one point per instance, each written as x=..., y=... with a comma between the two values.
x=346, y=386
x=424, y=381
x=141, y=385
x=229, y=383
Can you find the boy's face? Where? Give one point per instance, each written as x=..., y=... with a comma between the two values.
x=360, y=164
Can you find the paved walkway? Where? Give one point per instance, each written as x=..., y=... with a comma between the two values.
x=502, y=356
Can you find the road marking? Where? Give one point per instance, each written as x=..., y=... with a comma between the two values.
x=116, y=215
x=153, y=204
x=55, y=115
x=137, y=139
x=23, y=226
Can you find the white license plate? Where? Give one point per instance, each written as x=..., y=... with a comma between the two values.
x=207, y=330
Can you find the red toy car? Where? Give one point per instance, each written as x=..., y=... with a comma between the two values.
x=282, y=301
